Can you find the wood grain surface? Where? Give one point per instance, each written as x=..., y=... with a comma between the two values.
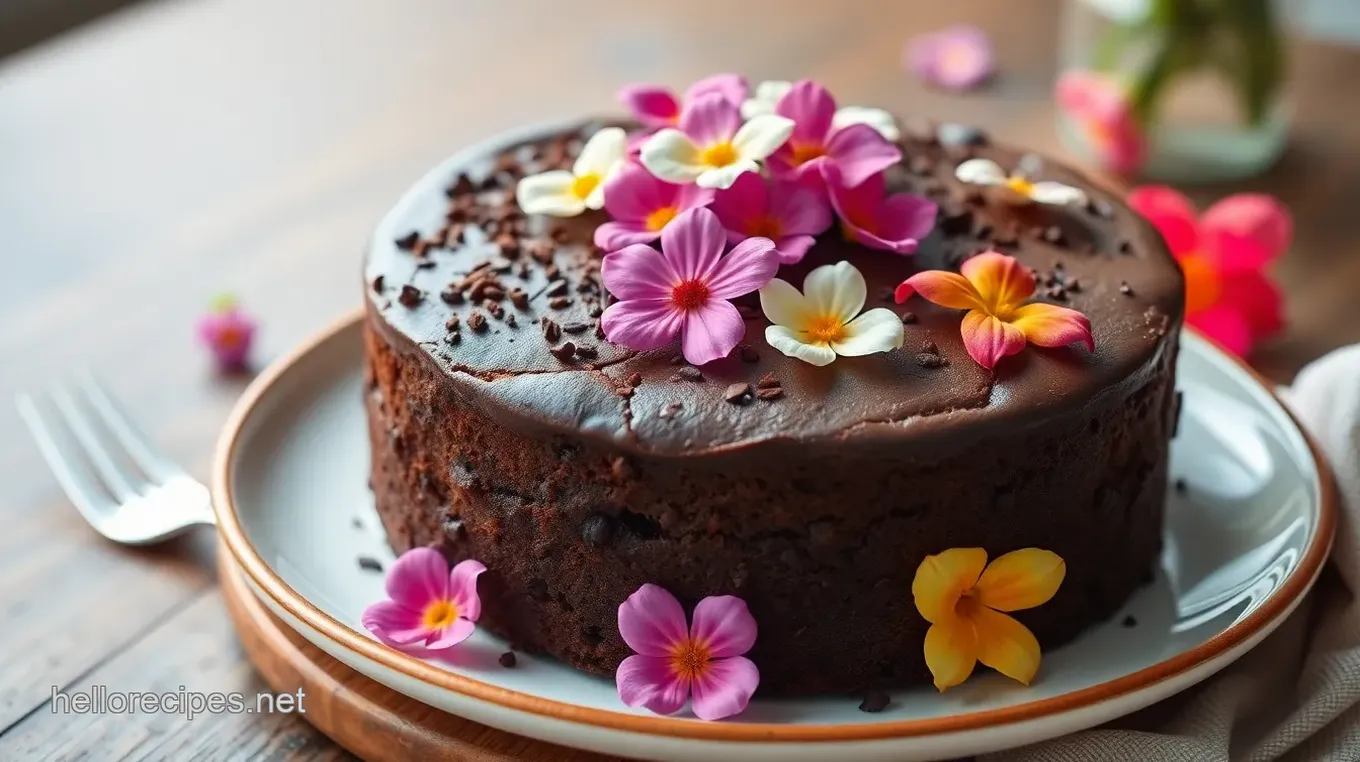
x=181, y=148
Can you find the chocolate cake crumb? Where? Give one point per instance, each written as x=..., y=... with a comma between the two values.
x=378, y=284
x=453, y=339
x=408, y=241
x=507, y=659
x=908, y=318
x=874, y=702
x=767, y=381
x=452, y=323
x=556, y=288
x=451, y=295
x=496, y=310
x=511, y=321
x=477, y=322
x=635, y=379
x=410, y=296
x=769, y=393
x=559, y=302
x=425, y=264
x=690, y=373
x=1074, y=285
x=576, y=327
x=1057, y=292
x=587, y=352
x=551, y=330
x=1180, y=486
x=738, y=393
x=369, y=563
x=493, y=292
x=670, y=410
x=564, y=352
x=1129, y=621
x=1125, y=288
x=928, y=360
x=519, y=298
x=597, y=529
x=929, y=346
x=595, y=311
x=748, y=353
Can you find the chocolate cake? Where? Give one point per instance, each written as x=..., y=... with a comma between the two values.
x=506, y=428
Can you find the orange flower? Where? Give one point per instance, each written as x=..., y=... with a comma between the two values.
x=993, y=288
x=963, y=603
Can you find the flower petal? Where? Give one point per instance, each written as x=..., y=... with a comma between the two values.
x=671, y=156
x=878, y=330
x=633, y=193
x=1225, y=325
x=1048, y=325
x=1171, y=213
x=724, y=624
x=1057, y=194
x=549, y=193
x=906, y=218
x=1256, y=299
x=760, y=137
x=742, y=204
x=638, y=272
x=980, y=172
x=860, y=151
x=1000, y=280
x=651, y=621
x=767, y=94
x=642, y=324
x=748, y=266
x=615, y=235
x=791, y=249
x=419, y=577
x=395, y=624
x=784, y=305
x=463, y=589
x=651, y=105
x=1246, y=231
x=724, y=688
x=942, y=578
x=792, y=345
x=799, y=209
x=1005, y=645
x=811, y=108
x=712, y=332
x=693, y=242
x=943, y=288
x=963, y=58
x=837, y=289
x=988, y=339
x=649, y=681
x=450, y=636
x=1021, y=579
x=882, y=121
x=710, y=118
x=603, y=154
x=723, y=177
x=730, y=86
x=951, y=652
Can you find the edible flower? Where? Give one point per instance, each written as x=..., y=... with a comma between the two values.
x=711, y=146
x=655, y=106
x=1100, y=110
x=993, y=288
x=791, y=215
x=958, y=58
x=641, y=206
x=1017, y=187
x=673, y=661
x=684, y=288
x=857, y=150
x=825, y=320
x=767, y=95
x=566, y=194
x=893, y=223
x=431, y=608
x=963, y=601
x=228, y=332
x=1224, y=254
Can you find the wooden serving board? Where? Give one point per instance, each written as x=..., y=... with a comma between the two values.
x=369, y=719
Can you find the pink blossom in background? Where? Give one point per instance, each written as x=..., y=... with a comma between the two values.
x=657, y=106
x=789, y=214
x=1100, y=110
x=228, y=332
x=641, y=206
x=893, y=223
x=431, y=608
x=958, y=58
x=856, y=150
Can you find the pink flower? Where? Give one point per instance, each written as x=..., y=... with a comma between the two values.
x=856, y=150
x=1223, y=254
x=684, y=288
x=655, y=106
x=431, y=609
x=895, y=223
x=1100, y=110
x=227, y=331
x=789, y=214
x=642, y=206
x=711, y=145
x=674, y=661
x=958, y=58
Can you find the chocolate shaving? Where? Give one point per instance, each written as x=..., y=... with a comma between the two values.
x=769, y=393
x=410, y=296
x=748, y=353
x=690, y=373
x=378, y=284
x=767, y=381
x=519, y=298
x=477, y=322
x=908, y=318
x=507, y=659
x=738, y=393
x=559, y=302
x=587, y=352
x=576, y=327
x=564, y=352
x=451, y=295
x=551, y=330
x=408, y=241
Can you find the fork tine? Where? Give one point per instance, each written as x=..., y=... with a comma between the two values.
x=154, y=464
x=92, y=502
x=118, y=481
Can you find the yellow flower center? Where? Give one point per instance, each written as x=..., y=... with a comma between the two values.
x=1202, y=285
x=660, y=218
x=765, y=227
x=585, y=185
x=825, y=329
x=968, y=604
x=689, y=295
x=440, y=614
x=689, y=659
x=805, y=152
x=1020, y=184
x=718, y=155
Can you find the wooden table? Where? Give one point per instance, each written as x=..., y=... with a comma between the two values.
x=179, y=149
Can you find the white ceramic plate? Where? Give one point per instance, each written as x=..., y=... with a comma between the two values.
x=1244, y=543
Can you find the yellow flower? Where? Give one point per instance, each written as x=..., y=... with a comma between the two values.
x=962, y=596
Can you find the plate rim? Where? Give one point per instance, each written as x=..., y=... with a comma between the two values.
x=251, y=563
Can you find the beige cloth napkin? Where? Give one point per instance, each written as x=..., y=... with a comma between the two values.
x=1296, y=696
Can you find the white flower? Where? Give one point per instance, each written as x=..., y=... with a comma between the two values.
x=768, y=93
x=821, y=322
x=566, y=194
x=1016, y=188
x=713, y=148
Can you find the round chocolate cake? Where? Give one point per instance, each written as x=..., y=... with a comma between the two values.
x=506, y=428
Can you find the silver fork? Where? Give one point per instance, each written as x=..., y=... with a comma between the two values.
x=90, y=445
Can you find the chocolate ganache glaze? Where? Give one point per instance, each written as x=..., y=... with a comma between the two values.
x=505, y=428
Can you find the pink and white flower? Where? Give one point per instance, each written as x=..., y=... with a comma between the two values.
x=674, y=661
x=566, y=194
x=1100, y=109
x=789, y=214
x=893, y=223
x=655, y=106
x=684, y=288
x=227, y=331
x=957, y=58
x=711, y=147
x=641, y=206
x=768, y=93
x=431, y=608
x=857, y=150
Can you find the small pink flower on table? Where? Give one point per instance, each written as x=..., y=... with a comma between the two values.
x=684, y=288
x=893, y=223
x=958, y=58
x=993, y=288
x=858, y=151
x=673, y=661
x=1224, y=254
x=227, y=331
x=789, y=214
x=655, y=106
x=431, y=608
x=710, y=146
x=641, y=206
x=1099, y=108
